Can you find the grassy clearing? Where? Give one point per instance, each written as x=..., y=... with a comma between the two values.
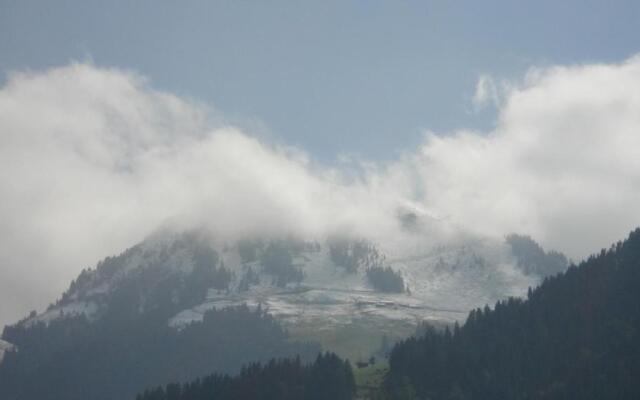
x=369, y=379
x=356, y=341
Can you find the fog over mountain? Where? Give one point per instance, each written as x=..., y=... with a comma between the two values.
x=92, y=160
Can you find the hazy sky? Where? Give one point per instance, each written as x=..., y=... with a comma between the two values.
x=309, y=119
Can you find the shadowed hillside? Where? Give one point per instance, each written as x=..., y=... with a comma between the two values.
x=576, y=337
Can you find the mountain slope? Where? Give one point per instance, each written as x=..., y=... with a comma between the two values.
x=576, y=336
x=113, y=358
x=113, y=322
x=193, y=300
x=313, y=287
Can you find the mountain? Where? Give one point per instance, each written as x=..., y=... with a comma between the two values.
x=328, y=290
x=575, y=336
x=182, y=304
x=113, y=322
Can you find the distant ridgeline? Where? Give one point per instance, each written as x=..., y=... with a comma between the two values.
x=328, y=378
x=577, y=336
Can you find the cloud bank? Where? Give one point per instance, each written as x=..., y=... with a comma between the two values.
x=93, y=159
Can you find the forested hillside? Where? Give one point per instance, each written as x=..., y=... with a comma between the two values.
x=119, y=355
x=577, y=336
x=328, y=378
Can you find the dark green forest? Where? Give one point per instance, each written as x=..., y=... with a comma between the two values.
x=576, y=336
x=385, y=279
x=327, y=378
x=73, y=358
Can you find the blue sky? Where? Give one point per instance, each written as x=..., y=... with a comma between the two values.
x=363, y=77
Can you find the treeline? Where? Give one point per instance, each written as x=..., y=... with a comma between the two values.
x=577, y=336
x=532, y=259
x=277, y=260
x=352, y=255
x=385, y=279
x=120, y=355
x=156, y=282
x=328, y=378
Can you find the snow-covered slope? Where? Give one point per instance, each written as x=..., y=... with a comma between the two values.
x=4, y=346
x=324, y=286
x=441, y=284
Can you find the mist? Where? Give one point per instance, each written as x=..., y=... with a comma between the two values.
x=94, y=159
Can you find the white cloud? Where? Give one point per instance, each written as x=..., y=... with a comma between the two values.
x=486, y=93
x=92, y=160
x=562, y=163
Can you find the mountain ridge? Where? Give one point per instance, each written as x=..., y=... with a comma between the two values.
x=325, y=284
